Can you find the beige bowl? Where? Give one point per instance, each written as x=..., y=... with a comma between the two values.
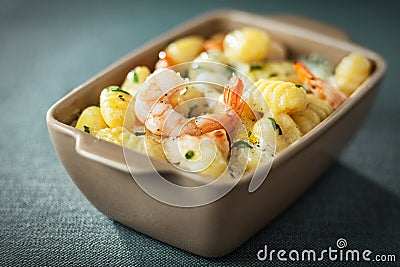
x=99, y=170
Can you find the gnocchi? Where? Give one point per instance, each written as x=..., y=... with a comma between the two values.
x=351, y=72
x=273, y=70
x=282, y=96
x=91, y=120
x=185, y=49
x=189, y=124
x=135, y=79
x=137, y=141
x=246, y=45
x=116, y=108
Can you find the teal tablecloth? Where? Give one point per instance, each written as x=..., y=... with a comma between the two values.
x=47, y=48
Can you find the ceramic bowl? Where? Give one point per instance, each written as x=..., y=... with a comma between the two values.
x=99, y=170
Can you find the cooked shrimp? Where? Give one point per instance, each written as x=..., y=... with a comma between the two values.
x=206, y=153
x=154, y=106
x=319, y=87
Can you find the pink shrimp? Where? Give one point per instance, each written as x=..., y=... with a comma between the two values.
x=319, y=87
x=154, y=107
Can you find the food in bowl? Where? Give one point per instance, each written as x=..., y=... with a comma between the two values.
x=101, y=170
x=218, y=102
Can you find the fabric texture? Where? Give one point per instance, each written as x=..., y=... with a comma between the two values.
x=49, y=47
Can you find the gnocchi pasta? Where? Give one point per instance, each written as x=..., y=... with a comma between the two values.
x=351, y=72
x=185, y=49
x=138, y=142
x=273, y=70
x=115, y=107
x=246, y=45
x=282, y=97
x=267, y=103
x=134, y=79
x=91, y=120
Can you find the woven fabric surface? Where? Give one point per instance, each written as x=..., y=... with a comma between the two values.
x=49, y=47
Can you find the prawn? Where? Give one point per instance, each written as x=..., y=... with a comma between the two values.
x=206, y=153
x=154, y=106
x=319, y=87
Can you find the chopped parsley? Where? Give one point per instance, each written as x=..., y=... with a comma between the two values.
x=191, y=110
x=186, y=74
x=121, y=97
x=241, y=144
x=298, y=85
x=275, y=125
x=140, y=133
x=189, y=154
x=184, y=91
x=86, y=129
x=135, y=77
x=255, y=67
x=273, y=75
x=116, y=89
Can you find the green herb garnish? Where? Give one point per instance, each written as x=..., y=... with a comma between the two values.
x=255, y=67
x=116, y=89
x=241, y=144
x=184, y=91
x=249, y=133
x=189, y=154
x=186, y=74
x=86, y=129
x=272, y=75
x=191, y=110
x=140, y=133
x=121, y=97
x=275, y=125
x=298, y=85
x=135, y=77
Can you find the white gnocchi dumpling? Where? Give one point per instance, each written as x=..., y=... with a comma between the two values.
x=315, y=112
x=282, y=97
x=273, y=70
x=138, y=141
x=116, y=107
x=91, y=120
x=134, y=79
x=351, y=72
x=185, y=49
x=246, y=45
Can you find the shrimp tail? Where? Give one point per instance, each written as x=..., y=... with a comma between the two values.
x=233, y=100
x=310, y=80
x=319, y=87
x=233, y=95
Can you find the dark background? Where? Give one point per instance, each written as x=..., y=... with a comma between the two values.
x=49, y=47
